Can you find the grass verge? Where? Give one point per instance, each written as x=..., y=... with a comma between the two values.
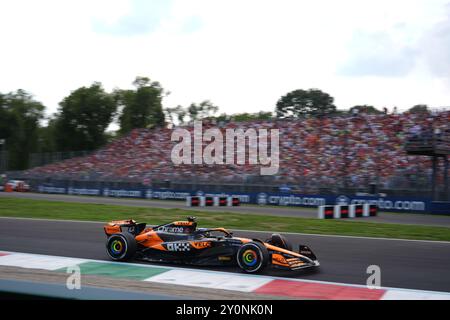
x=27, y=208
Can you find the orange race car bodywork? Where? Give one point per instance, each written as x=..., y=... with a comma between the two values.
x=183, y=242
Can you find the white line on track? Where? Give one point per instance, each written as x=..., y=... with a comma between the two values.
x=257, y=231
x=243, y=275
x=341, y=236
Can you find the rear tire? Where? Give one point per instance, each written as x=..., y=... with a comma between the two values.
x=252, y=257
x=121, y=246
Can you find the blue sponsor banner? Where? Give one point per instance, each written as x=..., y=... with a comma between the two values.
x=123, y=193
x=392, y=204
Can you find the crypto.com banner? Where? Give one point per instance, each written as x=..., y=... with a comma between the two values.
x=392, y=204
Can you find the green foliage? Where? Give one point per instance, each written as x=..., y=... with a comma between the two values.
x=239, y=117
x=47, y=142
x=6, y=118
x=19, y=122
x=203, y=110
x=365, y=109
x=419, y=108
x=179, y=112
x=196, y=111
x=110, y=136
x=305, y=103
x=207, y=110
x=83, y=117
x=142, y=108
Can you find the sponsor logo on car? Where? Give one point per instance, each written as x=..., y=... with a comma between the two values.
x=171, y=229
x=224, y=258
x=201, y=244
x=183, y=223
x=178, y=246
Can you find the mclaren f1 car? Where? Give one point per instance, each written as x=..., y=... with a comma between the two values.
x=182, y=242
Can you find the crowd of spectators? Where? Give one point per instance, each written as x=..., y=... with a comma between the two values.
x=351, y=150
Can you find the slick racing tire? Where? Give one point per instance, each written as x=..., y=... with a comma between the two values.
x=252, y=257
x=280, y=241
x=121, y=246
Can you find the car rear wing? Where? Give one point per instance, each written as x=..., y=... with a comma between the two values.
x=119, y=226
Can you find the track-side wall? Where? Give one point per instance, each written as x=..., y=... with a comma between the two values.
x=390, y=204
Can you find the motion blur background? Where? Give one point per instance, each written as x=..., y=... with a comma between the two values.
x=90, y=91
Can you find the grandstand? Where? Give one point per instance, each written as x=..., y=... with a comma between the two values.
x=347, y=152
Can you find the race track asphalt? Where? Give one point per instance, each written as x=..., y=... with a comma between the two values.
x=398, y=218
x=404, y=264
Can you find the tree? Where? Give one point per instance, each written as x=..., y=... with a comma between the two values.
x=364, y=109
x=6, y=118
x=305, y=103
x=239, y=117
x=203, y=110
x=419, y=108
x=83, y=117
x=196, y=111
x=262, y=115
x=19, y=122
x=179, y=112
x=142, y=108
x=47, y=134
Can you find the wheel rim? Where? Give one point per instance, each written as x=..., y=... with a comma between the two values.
x=117, y=248
x=250, y=258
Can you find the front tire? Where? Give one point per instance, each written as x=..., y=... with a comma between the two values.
x=121, y=246
x=252, y=257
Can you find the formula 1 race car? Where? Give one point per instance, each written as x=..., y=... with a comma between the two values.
x=182, y=242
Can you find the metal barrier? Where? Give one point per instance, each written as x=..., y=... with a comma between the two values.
x=202, y=201
x=347, y=211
